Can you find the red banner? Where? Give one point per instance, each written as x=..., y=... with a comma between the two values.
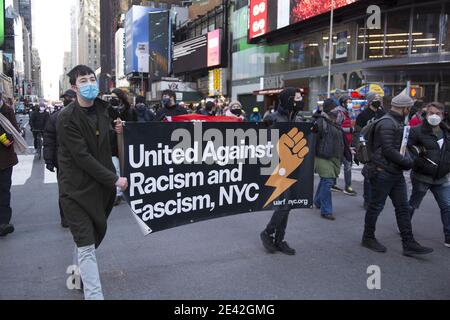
x=201, y=118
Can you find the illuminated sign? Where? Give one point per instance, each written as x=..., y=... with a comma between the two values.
x=198, y=53
x=269, y=15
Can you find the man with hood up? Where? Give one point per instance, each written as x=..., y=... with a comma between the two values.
x=273, y=236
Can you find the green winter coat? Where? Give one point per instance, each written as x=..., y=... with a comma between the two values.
x=86, y=173
x=328, y=168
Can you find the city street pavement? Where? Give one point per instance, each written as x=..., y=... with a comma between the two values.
x=219, y=259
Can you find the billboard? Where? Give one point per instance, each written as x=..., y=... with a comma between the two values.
x=160, y=40
x=137, y=39
x=269, y=15
x=198, y=53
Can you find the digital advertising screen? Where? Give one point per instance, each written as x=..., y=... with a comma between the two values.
x=266, y=16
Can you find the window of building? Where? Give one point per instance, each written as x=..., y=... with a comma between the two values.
x=219, y=21
x=425, y=35
x=445, y=28
x=398, y=33
x=371, y=42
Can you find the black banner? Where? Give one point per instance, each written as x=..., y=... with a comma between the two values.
x=181, y=173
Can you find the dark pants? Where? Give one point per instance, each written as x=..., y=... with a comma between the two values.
x=367, y=191
x=367, y=187
x=36, y=136
x=5, y=195
x=278, y=224
x=442, y=195
x=61, y=212
x=385, y=184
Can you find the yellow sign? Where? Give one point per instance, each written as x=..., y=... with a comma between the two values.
x=215, y=82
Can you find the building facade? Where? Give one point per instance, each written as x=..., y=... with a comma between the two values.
x=36, y=73
x=25, y=12
x=74, y=34
x=411, y=46
x=89, y=33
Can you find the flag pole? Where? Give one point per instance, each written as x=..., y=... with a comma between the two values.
x=330, y=50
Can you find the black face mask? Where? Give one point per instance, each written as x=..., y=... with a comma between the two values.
x=376, y=104
x=115, y=102
x=237, y=112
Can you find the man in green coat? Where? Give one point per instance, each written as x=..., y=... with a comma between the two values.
x=87, y=177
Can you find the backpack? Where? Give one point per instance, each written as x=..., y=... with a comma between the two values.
x=365, y=144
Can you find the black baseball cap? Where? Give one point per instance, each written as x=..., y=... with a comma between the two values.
x=70, y=94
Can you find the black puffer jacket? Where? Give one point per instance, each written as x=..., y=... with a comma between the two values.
x=51, y=141
x=387, y=143
x=423, y=136
x=38, y=120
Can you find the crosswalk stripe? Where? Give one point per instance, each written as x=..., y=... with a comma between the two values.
x=22, y=172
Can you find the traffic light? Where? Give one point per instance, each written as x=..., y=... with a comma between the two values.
x=416, y=92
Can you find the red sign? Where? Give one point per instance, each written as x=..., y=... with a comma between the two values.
x=201, y=118
x=257, y=18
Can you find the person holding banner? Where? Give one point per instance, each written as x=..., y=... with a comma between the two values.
x=386, y=173
x=169, y=106
x=273, y=236
x=87, y=177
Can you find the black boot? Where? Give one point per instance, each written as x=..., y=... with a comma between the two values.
x=6, y=229
x=268, y=242
x=64, y=223
x=284, y=248
x=412, y=247
x=373, y=244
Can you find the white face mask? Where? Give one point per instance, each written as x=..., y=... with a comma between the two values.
x=434, y=120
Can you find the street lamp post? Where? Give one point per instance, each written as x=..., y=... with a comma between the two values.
x=330, y=49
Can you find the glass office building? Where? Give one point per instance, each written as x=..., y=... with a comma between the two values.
x=411, y=45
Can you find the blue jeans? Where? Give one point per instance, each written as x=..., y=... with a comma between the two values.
x=384, y=185
x=347, y=173
x=442, y=195
x=323, y=199
x=367, y=191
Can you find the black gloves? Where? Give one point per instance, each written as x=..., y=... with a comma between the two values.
x=50, y=167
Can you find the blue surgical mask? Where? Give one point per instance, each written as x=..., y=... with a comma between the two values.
x=350, y=107
x=165, y=102
x=89, y=91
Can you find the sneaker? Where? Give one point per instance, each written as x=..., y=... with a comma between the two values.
x=350, y=192
x=447, y=242
x=336, y=189
x=6, y=229
x=373, y=244
x=413, y=247
x=328, y=217
x=268, y=242
x=284, y=248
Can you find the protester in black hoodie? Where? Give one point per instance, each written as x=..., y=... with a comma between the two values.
x=273, y=236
